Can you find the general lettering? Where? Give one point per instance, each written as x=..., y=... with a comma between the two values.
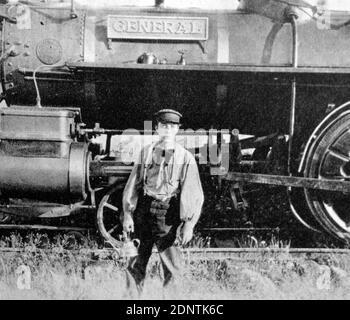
x=167, y=27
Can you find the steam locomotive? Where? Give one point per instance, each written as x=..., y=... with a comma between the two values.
x=267, y=82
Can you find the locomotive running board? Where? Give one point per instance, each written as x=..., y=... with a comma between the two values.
x=297, y=182
x=218, y=67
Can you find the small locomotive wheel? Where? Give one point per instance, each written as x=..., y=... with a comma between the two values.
x=329, y=158
x=109, y=217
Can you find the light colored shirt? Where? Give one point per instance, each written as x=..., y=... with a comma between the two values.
x=163, y=177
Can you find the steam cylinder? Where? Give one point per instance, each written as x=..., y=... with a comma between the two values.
x=39, y=156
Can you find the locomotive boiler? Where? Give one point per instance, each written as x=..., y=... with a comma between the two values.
x=264, y=83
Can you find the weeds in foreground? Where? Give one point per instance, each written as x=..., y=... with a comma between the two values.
x=75, y=241
x=70, y=241
x=58, y=275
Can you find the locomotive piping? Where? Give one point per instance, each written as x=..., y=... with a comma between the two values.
x=3, y=88
x=73, y=13
x=270, y=40
x=292, y=17
x=38, y=98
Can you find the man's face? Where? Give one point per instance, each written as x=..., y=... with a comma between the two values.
x=167, y=131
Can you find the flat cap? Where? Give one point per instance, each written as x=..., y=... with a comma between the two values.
x=168, y=115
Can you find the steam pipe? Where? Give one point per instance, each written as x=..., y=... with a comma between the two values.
x=270, y=40
x=73, y=13
x=292, y=16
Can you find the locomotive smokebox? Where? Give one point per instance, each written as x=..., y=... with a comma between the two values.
x=40, y=156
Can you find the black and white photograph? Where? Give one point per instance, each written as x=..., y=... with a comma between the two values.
x=170, y=151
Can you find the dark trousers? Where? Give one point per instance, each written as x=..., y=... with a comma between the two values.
x=159, y=230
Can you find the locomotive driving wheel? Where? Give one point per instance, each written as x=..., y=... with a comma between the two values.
x=109, y=216
x=329, y=158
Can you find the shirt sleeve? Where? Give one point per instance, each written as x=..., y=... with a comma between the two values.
x=191, y=198
x=133, y=187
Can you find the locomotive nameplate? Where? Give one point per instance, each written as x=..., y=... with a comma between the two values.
x=157, y=27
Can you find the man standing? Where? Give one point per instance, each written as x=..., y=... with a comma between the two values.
x=164, y=198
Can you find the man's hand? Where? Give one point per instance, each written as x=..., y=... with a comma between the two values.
x=128, y=223
x=186, y=233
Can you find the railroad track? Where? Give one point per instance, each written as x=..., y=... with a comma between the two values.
x=191, y=253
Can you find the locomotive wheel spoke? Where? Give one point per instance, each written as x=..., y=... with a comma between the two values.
x=329, y=158
x=108, y=216
x=338, y=154
x=110, y=206
x=111, y=230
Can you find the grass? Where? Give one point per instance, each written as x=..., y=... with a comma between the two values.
x=202, y=280
x=62, y=275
